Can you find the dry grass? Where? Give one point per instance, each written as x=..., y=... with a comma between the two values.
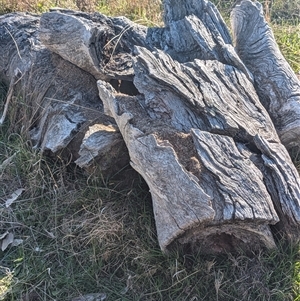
x=147, y=11
x=85, y=234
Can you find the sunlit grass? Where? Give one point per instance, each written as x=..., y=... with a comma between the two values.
x=6, y=278
x=288, y=39
x=147, y=11
x=83, y=235
x=150, y=11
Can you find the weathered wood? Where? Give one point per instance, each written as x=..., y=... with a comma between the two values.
x=193, y=137
x=282, y=182
x=277, y=85
x=185, y=105
x=103, y=46
x=95, y=43
x=54, y=101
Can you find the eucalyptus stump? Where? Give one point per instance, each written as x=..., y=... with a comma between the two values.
x=206, y=124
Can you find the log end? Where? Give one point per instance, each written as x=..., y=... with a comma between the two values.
x=226, y=238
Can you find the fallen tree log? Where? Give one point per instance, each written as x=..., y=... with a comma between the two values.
x=185, y=105
x=56, y=104
x=277, y=85
x=205, y=155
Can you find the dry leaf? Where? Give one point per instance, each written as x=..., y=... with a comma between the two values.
x=8, y=238
x=7, y=241
x=14, y=197
x=3, y=235
x=91, y=297
x=6, y=162
x=17, y=242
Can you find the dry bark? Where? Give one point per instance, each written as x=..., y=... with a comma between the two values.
x=277, y=85
x=208, y=151
x=55, y=102
x=184, y=103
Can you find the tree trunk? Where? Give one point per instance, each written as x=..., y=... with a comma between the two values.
x=277, y=85
x=216, y=169
x=181, y=99
x=55, y=102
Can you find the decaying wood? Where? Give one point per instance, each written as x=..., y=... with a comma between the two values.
x=56, y=103
x=100, y=45
x=205, y=37
x=206, y=147
x=103, y=46
x=181, y=99
x=277, y=85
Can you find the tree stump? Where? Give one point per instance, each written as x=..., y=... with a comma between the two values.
x=186, y=104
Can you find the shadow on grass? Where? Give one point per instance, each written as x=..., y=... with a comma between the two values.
x=83, y=235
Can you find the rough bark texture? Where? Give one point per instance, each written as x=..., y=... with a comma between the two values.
x=206, y=147
x=56, y=103
x=102, y=46
x=183, y=102
x=277, y=85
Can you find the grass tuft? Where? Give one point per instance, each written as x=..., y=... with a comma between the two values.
x=288, y=39
x=84, y=234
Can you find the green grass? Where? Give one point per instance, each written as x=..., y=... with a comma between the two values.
x=100, y=239
x=288, y=39
x=85, y=234
x=284, y=16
